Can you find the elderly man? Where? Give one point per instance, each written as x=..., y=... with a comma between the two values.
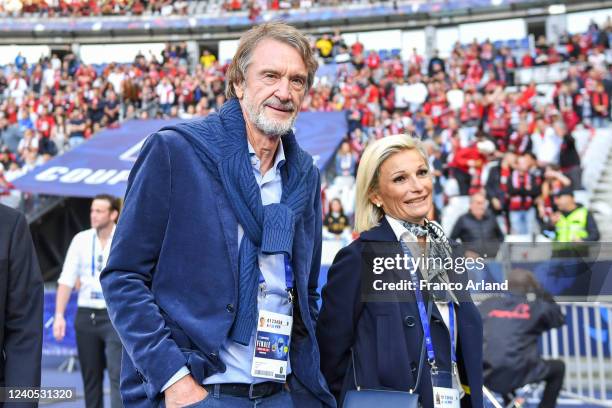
x=221, y=232
x=478, y=229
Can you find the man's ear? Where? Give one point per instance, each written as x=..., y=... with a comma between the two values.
x=239, y=89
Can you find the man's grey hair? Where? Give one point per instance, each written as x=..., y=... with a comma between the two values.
x=236, y=74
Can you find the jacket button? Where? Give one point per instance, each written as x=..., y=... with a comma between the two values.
x=230, y=308
x=409, y=321
x=213, y=356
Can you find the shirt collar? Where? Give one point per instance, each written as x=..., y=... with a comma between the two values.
x=279, y=160
x=110, y=237
x=399, y=230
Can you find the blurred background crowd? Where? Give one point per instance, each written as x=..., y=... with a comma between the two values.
x=484, y=132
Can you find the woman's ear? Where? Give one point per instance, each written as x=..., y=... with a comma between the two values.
x=375, y=199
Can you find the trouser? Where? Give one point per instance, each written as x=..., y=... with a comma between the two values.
x=215, y=398
x=554, y=382
x=99, y=347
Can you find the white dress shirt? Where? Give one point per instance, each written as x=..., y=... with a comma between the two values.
x=85, y=260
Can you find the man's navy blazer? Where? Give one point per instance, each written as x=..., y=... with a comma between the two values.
x=171, y=282
x=21, y=305
x=386, y=336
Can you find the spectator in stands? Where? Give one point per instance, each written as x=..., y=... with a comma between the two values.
x=569, y=159
x=573, y=222
x=600, y=103
x=6, y=157
x=336, y=223
x=346, y=162
x=207, y=59
x=30, y=142
x=111, y=110
x=546, y=143
x=59, y=134
x=478, y=229
x=165, y=94
x=436, y=64
x=523, y=188
x=512, y=326
x=10, y=134
x=76, y=128
x=467, y=164
x=325, y=46
x=554, y=182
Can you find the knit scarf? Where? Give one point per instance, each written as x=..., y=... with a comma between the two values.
x=220, y=141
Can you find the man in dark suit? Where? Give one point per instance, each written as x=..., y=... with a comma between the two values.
x=21, y=305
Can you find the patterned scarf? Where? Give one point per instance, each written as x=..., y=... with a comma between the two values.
x=439, y=251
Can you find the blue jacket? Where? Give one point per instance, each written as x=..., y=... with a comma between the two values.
x=387, y=336
x=171, y=279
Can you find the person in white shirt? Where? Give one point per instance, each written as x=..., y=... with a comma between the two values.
x=546, y=144
x=165, y=93
x=98, y=344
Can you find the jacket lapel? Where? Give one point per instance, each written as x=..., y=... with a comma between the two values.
x=384, y=233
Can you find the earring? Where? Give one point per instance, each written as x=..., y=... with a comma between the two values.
x=378, y=205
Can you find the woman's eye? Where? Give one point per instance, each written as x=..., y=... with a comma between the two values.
x=399, y=179
x=423, y=172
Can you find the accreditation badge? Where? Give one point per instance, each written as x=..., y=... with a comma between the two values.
x=444, y=395
x=272, y=346
x=96, y=295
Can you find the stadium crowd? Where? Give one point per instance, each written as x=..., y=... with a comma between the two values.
x=485, y=132
x=83, y=8
x=92, y=8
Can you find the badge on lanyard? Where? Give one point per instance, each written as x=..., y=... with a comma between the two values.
x=272, y=340
x=444, y=395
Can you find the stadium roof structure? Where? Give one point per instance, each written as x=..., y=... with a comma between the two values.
x=229, y=25
x=102, y=164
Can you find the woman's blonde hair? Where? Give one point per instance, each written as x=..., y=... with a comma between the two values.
x=367, y=215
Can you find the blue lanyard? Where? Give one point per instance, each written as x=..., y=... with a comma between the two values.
x=288, y=274
x=93, y=255
x=451, y=323
x=431, y=356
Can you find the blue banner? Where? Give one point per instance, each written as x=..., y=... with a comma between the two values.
x=103, y=163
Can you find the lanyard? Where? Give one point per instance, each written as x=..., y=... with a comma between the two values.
x=431, y=356
x=93, y=255
x=288, y=268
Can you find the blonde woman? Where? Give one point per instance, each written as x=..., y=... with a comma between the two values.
x=375, y=341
